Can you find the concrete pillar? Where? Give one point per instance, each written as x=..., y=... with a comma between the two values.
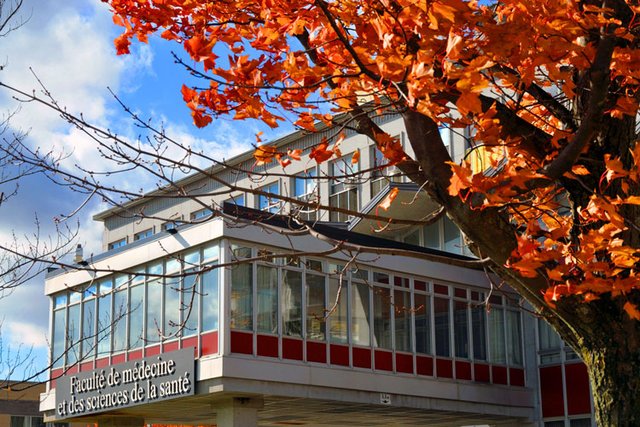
x=121, y=422
x=238, y=412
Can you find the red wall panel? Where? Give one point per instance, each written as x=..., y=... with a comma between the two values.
x=578, y=392
x=551, y=391
x=361, y=357
x=383, y=360
x=291, y=349
x=481, y=373
x=424, y=365
x=267, y=346
x=499, y=374
x=444, y=368
x=241, y=342
x=339, y=355
x=404, y=363
x=316, y=352
x=209, y=343
x=463, y=370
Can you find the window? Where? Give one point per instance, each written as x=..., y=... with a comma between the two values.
x=338, y=319
x=402, y=311
x=201, y=214
x=59, y=330
x=479, y=331
x=461, y=329
x=267, y=304
x=143, y=234
x=171, y=225
x=172, y=293
x=236, y=200
x=315, y=307
x=360, y=328
x=514, y=338
x=423, y=323
x=154, y=303
x=305, y=188
x=382, y=317
x=210, y=299
x=28, y=421
x=136, y=313
x=442, y=326
x=496, y=335
x=343, y=188
x=242, y=297
x=73, y=334
x=550, y=343
x=291, y=303
x=104, y=317
x=269, y=203
x=88, y=322
x=381, y=174
x=189, y=293
x=444, y=235
x=117, y=244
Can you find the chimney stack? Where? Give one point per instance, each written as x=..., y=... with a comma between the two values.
x=78, y=258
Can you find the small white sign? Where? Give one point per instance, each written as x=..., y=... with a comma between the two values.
x=385, y=398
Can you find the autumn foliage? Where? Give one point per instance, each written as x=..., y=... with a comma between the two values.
x=547, y=90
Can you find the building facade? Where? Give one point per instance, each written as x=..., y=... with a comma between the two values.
x=251, y=318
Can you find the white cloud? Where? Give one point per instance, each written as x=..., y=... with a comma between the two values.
x=25, y=334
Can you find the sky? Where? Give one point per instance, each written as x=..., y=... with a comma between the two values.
x=68, y=46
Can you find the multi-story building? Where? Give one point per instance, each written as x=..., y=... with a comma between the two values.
x=257, y=318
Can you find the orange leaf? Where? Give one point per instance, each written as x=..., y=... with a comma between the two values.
x=264, y=154
x=122, y=43
x=632, y=310
x=386, y=203
x=294, y=154
x=320, y=153
x=356, y=157
x=580, y=170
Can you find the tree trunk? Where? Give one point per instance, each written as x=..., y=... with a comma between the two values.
x=615, y=383
x=611, y=352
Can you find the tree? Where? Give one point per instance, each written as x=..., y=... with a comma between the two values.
x=549, y=88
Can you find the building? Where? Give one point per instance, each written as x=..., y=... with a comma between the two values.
x=249, y=319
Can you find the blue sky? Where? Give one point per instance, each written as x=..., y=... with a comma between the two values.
x=68, y=45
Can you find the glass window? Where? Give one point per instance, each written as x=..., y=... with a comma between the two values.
x=236, y=200
x=60, y=300
x=210, y=252
x=154, y=303
x=201, y=214
x=59, y=334
x=117, y=244
x=315, y=307
x=343, y=188
x=496, y=335
x=172, y=293
x=360, y=329
x=172, y=225
x=210, y=300
x=73, y=334
x=402, y=312
x=338, y=319
x=580, y=422
x=88, y=327
x=136, y=316
x=190, y=300
x=413, y=238
x=143, y=234
x=478, y=328
x=452, y=242
x=119, y=320
x=441, y=323
x=549, y=338
x=432, y=235
x=461, y=329
x=423, y=323
x=104, y=318
x=269, y=203
x=267, y=304
x=514, y=337
x=242, y=296
x=305, y=188
x=382, y=317
x=291, y=304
